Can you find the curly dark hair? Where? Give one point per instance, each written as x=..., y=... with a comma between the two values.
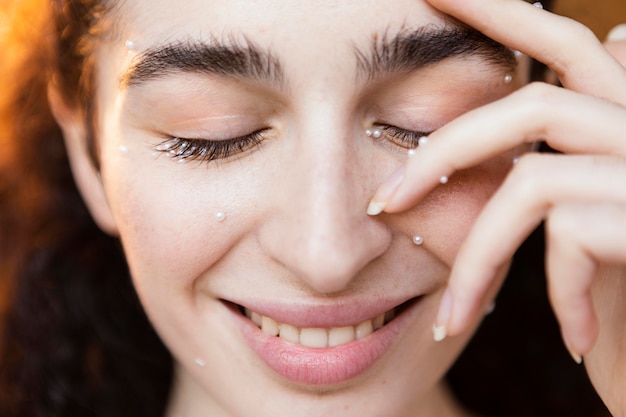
x=75, y=340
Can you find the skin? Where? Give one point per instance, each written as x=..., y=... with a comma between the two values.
x=285, y=214
x=579, y=194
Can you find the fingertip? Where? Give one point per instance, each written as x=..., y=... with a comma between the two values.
x=385, y=192
x=617, y=34
x=375, y=208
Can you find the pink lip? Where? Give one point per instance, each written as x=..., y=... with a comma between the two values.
x=315, y=314
x=325, y=366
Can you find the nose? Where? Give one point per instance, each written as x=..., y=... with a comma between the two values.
x=319, y=228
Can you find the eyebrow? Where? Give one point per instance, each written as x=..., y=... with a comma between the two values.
x=406, y=51
x=428, y=45
x=212, y=58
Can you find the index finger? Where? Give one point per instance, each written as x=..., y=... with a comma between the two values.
x=567, y=47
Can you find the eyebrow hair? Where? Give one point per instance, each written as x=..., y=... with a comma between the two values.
x=428, y=45
x=404, y=52
x=213, y=58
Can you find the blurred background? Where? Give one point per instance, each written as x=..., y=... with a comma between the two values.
x=598, y=15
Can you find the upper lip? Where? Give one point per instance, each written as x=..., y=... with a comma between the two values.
x=326, y=313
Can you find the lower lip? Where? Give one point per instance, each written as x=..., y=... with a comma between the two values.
x=325, y=366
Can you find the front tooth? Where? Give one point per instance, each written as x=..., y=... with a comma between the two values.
x=340, y=336
x=378, y=321
x=269, y=326
x=289, y=333
x=364, y=329
x=314, y=337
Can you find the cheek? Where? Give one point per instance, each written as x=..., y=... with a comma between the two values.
x=176, y=222
x=446, y=216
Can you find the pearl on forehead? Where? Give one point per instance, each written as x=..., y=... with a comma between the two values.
x=220, y=216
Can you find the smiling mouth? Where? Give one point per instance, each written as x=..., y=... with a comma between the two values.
x=320, y=337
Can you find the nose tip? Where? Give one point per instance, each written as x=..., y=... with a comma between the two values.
x=319, y=229
x=329, y=261
x=325, y=239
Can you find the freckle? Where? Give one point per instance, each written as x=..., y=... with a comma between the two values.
x=375, y=37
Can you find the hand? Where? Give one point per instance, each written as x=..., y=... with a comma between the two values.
x=581, y=194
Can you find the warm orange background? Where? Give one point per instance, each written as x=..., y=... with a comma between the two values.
x=599, y=15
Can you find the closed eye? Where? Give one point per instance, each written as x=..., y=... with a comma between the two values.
x=204, y=150
x=407, y=139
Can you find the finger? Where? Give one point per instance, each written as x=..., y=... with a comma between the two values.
x=579, y=237
x=616, y=43
x=538, y=183
x=566, y=120
x=569, y=48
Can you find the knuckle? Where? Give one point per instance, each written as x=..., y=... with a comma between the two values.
x=535, y=102
x=562, y=224
x=525, y=178
x=572, y=33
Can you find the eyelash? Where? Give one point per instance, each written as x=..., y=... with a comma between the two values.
x=183, y=150
x=202, y=150
x=407, y=139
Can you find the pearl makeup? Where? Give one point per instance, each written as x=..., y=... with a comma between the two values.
x=220, y=216
x=418, y=240
x=374, y=133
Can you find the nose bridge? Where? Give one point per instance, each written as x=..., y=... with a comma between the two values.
x=324, y=234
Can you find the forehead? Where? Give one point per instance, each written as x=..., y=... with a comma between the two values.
x=296, y=27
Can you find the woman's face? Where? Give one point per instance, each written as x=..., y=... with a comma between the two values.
x=273, y=229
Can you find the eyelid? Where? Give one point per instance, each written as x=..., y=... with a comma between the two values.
x=404, y=138
x=203, y=150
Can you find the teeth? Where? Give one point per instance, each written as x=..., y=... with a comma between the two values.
x=364, y=329
x=340, y=335
x=269, y=326
x=289, y=333
x=378, y=321
x=314, y=337
x=319, y=337
x=256, y=318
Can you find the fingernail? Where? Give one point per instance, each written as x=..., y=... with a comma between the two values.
x=440, y=330
x=617, y=34
x=577, y=358
x=439, y=333
x=375, y=207
x=385, y=192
